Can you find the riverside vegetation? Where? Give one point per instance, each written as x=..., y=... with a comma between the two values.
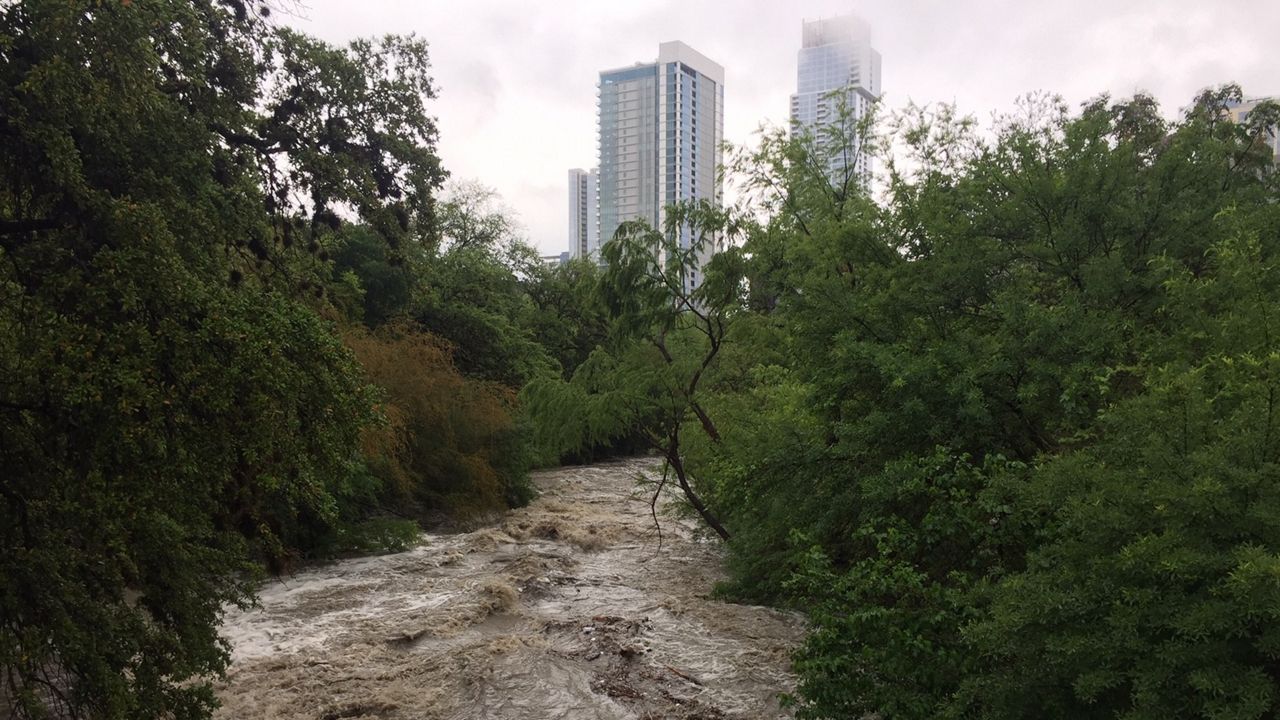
x=1007, y=435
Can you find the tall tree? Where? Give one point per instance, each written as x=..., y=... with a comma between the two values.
x=666, y=334
x=171, y=403
x=474, y=289
x=1022, y=399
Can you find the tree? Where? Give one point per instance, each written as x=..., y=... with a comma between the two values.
x=384, y=280
x=450, y=448
x=477, y=302
x=1014, y=459
x=472, y=216
x=173, y=407
x=474, y=289
x=666, y=334
x=1152, y=593
x=568, y=320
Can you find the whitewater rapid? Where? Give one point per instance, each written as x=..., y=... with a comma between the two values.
x=567, y=608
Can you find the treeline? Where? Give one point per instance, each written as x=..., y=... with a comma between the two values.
x=1009, y=435
x=244, y=322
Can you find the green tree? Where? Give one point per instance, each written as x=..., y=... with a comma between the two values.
x=1153, y=590
x=472, y=215
x=667, y=331
x=172, y=405
x=965, y=466
x=568, y=320
x=381, y=281
x=474, y=289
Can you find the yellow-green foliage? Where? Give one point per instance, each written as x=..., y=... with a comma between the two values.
x=449, y=442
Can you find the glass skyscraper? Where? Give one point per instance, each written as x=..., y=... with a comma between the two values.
x=836, y=66
x=661, y=128
x=584, y=223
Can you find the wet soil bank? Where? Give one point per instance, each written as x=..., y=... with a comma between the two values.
x=565, y=609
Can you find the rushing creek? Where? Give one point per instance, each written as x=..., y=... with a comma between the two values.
x=567, y=608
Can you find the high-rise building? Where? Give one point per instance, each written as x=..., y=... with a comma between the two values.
x=836, y=67
x=584, y=222
x=1239, y=112
x=661, y=129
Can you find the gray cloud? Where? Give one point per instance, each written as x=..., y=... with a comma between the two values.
x=479, y=82
x=517, y=102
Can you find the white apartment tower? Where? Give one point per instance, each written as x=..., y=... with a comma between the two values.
x=1239, y=112
x=661, y=130
x=836, y=66
x=584, y=222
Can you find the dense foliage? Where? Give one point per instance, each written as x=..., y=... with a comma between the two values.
x=200, y=212
x=643, y=380
x=449, y=448
x=1020, y=462
x=1009, y=435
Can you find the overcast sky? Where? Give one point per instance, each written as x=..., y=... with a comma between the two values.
x=516, y=80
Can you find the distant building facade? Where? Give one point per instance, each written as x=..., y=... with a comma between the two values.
x=1239, y=113
x=584, y=221
x=555, y=260
x=836, y=65
x=661, y=126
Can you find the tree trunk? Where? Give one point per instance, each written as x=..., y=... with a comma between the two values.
x=673, y=457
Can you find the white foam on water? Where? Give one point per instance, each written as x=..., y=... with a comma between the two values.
x=567, y=610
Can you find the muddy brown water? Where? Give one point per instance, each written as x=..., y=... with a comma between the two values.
x=565, y=609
